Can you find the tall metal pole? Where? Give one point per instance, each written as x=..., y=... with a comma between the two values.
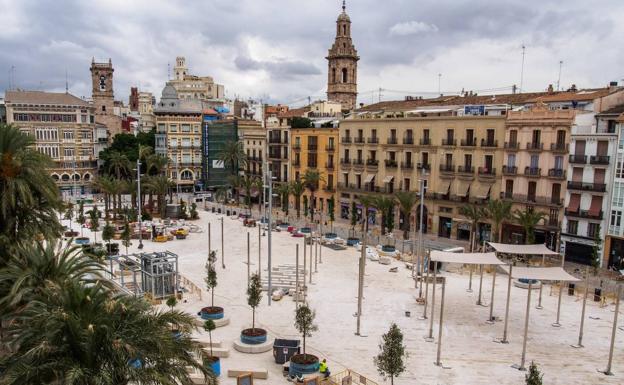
x=305, y=261
x=420, y=231
x=270, y=180
x=557, y=324
x=580, y=338
x=320, y=238
x=222, y=246
x=435, y=277
x=613, y=330
x=426, y=261
x=361, y=284
x=480, y=285
x=504, y=340
x=209, y=246
x=259, y=252
x=296, y=275
x=139, y=200
x=248, y=259
x=526, y=328
x=311, y=259
x=316, y=247
x=539, y=300
x=469, y=290
x=438, y=363
x=491, y=319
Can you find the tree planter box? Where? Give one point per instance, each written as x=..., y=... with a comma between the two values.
x=70, y=234
x=82, y=241
x=210, y=312
x=352, y=241
x=212, y=363
x=253, y=336
x=299, y=367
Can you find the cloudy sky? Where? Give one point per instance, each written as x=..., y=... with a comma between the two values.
x=275, y=49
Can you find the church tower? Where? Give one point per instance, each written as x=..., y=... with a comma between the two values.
x=342, y=65
x=102, y=95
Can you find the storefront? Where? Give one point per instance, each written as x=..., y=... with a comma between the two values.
x=463, y=231
x=344, y=210
x=616, y=253
x=578, y=249
x=444, y=227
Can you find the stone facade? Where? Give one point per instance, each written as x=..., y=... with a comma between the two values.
x=342, y=61
x=194, y=87
x=103, y=97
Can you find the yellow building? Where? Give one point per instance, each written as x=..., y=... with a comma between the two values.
x=253, y=136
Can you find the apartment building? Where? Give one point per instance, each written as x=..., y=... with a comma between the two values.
x=216, y=133
x=254, y=139
x=536, y=168
x=179, y=137
x=64, y=128
x=278, y=150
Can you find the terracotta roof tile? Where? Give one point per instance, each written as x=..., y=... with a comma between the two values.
x=40, y=97
x=295, y=112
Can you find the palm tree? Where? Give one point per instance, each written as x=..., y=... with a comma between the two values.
x=156, y=164
x=367, y=201
x=283, y=190
x=160, y=186
x=498, y=211
x=406, y=201
x=118, y=164
x=385, y=205
x=29, y=198
x=105, y=185
x=296, y=190
x=236, y=182
x=528, y=219
x=234, y=155
x=248, y=183
x=474, y=214
x=311, y=180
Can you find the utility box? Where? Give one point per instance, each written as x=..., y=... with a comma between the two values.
x=284, y=349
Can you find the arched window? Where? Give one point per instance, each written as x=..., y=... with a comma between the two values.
x=344, y=30
x=86, y=176
x=55, y=177
x=76, y=177
x=333, y=75
x=186, y=175
x=65, y=177
x=344, y=75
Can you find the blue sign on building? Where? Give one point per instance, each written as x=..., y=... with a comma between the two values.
x=474, y=110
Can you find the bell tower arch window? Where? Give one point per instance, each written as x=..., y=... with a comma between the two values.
x=344, y=75
x=333, y=77
x=344, y=30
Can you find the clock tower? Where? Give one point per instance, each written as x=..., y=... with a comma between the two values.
x=342, y=65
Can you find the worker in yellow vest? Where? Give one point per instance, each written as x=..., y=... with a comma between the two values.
x=324, y=369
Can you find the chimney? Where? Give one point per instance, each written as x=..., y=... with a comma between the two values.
x=613, y=86
x=551, y=90
x=573, y=88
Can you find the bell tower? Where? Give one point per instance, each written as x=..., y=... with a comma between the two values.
x=102, y=95
x=342, y=61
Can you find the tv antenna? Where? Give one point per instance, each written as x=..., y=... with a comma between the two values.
x=522, y=68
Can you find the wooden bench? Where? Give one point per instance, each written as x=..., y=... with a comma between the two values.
x=261, y=374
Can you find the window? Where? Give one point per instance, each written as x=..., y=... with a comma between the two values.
x=511, y=160
x=559, y=162
x=173, y=127
x=344, y=75
x=534, y=161
x=68, y=135
x=619, y=170
x=593, y=230
x=185, y=128
x=572, y=227
x=616, y=218
x=68, y=152
x=334, y=77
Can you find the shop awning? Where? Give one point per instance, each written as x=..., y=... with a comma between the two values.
x=443, y=187
x=466, y=258
x=521, y=249
x=575, y=202
x=596, y=205
x=481, y=191
x=541, y=273
x=462, y=188
x=369, y=178
x=388, y=179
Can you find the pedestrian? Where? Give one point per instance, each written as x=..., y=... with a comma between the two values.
x=324, y=369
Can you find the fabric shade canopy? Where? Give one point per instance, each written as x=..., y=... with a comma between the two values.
x=522, y=249
x=481, y=191
x=369, y=178
x=541, y=273
x=443, y=187
x=596, y=205
x=388, y=179
x=462, y=188
x=466, y=258
x=575, y=203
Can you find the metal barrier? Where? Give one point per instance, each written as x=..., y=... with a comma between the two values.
x=355, y=378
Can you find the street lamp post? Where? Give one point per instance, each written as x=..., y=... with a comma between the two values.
x=269, y=218
x=139, y=204
x=420, y=231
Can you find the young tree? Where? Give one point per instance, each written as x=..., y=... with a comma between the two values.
x=406, y=201
x=390, y=360
x=94, y=221
x=209, y=326
x=193, y=212
x=126, y=234
x=254, y=295
x=304, y=323
x=296, y=189
x=171, y=302
x=331, y=204
x=69, y=214
x=353, y=215
x=81, y=217
x=211, y=275
x=108, y=232
x=183, y=213
x=305, y=206
x=533, y=377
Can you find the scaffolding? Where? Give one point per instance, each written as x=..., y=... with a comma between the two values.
x=147, y=274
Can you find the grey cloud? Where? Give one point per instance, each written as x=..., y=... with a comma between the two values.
x=277, y=68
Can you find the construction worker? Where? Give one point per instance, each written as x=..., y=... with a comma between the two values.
x=324, y=369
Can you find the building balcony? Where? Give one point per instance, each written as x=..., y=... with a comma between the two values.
x=345, y=140
x=296, y=163
x=275, y=156
x=465, y=169
x=447, y=168
x=487, y=172
x=489, y=143
x=275, y=140
x=578, y=159
x=392, y=141
x=312, y=164
x=533, y=172
x=449, y=142
x=424, y=166
x=584, y=214
x=510, y=170
x=407, y=165
x=425, y=142
x=345, y=161
x=358, y=140
x=531, y=199
x=372, y=162
x=468, y=142
x=255, y=158
x=330, y=148
x=408, y=140
x=329, y=165
x=584, y=186
x=534, y=146
x=296, y=146
x=560, y=147
x=512, y=146
x=391, y=163
x=599, y=159
x=556, y=173
x=329, y=188
x=358, y=162
x=372, y=140
x=312, y=147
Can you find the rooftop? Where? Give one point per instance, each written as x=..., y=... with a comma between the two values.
x=617, y=110
x=41, y=97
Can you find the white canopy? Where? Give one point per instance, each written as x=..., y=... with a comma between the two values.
x=541, y=273
x=522, y=249
x=466, y=258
